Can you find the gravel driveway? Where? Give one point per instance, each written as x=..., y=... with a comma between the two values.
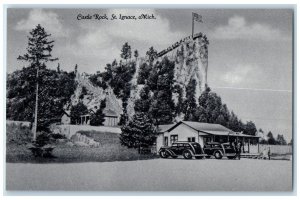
x=153, y=175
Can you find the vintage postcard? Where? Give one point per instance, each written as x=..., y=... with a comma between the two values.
x=155, y=100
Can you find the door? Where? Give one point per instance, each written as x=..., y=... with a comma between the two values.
x=166, y=141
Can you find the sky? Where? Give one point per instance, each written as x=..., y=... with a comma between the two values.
x=250, y=51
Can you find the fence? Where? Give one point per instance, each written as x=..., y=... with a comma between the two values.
x=274, y=149
x=70, y=130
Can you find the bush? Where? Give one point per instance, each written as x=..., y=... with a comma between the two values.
x=43, y=138
x=18, y=134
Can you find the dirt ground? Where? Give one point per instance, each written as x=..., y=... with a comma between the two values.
x=153, y=175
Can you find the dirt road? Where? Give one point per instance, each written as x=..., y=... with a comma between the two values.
x=153, y=175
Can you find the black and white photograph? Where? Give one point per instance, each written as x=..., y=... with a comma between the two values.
x=111, y=99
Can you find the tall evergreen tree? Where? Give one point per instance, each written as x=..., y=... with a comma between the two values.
x=190, y=105
x=151, y=54
x=126, y=51
x=280, y=140
x=144, y=73
x=58, y=68
x=250, y=128
x=233, y=123
x=136, y=54
x=271, y=139
x=76, y=69
x=160, y=82
x=139, y=132
x=143, y=104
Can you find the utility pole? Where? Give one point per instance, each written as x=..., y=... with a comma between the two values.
x=36, y=105
x=193, y=26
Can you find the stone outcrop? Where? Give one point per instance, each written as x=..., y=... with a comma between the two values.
x=191, y=62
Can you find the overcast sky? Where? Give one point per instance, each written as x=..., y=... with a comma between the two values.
x=250, y=51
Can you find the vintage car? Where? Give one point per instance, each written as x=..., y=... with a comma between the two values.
x=219, y=150
x=186, y=149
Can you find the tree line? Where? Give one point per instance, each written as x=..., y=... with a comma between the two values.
x=154, y=107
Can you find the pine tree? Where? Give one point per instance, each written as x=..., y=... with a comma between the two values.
x=58, y=68
x=76, y=69
x=160, y=82
x=190, y=102
x=144, y=73
x=233, y=123
x=143, y=104
x=280, y=140
x=271, y=139
x=250, y=128
x=136, y=54
x=98, y=117
x=139, y=132
x=151, y=54
x=38, y=54
x=126, y=51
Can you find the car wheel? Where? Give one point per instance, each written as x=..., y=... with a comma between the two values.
x=207, y=157
x=187, y=154
x=199, y=157
x=218, y=155
x=164, y=154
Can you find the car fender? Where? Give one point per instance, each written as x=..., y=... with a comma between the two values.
x=169, y=151
x=222, y=153
x=189, y=151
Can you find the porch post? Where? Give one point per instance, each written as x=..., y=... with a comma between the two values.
x=248, y=145
x=258, y=145
x=243, y=144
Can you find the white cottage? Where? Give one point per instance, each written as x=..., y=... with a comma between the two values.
x=198, y=132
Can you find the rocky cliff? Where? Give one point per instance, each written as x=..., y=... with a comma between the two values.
x=191, y=62
x=93, y=95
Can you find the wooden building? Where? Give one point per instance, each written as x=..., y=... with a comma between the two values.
x=201, y=133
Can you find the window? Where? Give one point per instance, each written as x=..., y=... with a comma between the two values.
x=174, y=138
x=206, y=139
x=191, y=139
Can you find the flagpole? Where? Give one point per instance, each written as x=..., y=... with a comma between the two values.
x=193, y=26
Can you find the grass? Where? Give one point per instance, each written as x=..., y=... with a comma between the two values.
x=110, y=150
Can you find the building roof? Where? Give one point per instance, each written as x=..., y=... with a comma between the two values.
x=165, y=127
x=213, y=129
x=110, y=113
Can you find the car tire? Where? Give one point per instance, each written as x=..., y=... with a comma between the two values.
x=187, y=154
x=164, y=154
x=218, y=155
